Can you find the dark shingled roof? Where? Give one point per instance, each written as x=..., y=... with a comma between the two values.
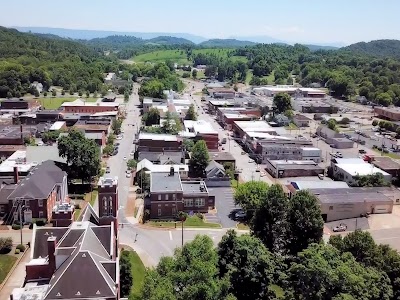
x=41, y=234
x=40, y=182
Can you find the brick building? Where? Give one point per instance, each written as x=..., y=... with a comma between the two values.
x=203, y=130
x=81, y=106
x=293, y=168
x=158, y=142
x=169, y=195
x=392, y=113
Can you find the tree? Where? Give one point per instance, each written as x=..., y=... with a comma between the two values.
x=80, y=93
x=305, y=221
x=108, y=149
x=249, y=195
x=375, y=123
x=54, y=93
x=87, y=94
x=321, y=272
x=191, y=273
x=171, y=125
x=82, y=155
x=248, y=264
x=188, y=144
x=126, y=96
x=345, y=121
x=384, y=98
x=199, y=158
x=152, y=117
x=125, y=274
x=36, y=93
x=63, y=93
x=131, y=164
x=269, y=223
x=143, y=180
x=282, y=102
x=194, y=73
x=116, y=126
x=110, y=139
x=191, y=113
x=44, y=94
x=50, y=136
x=373, y=180
x=331, y=123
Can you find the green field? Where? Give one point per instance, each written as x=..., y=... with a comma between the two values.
x=6, y=263
x=193, y=221
x=54, y=103
x=179, y=56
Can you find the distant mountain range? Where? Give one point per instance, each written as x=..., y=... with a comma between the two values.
x=160, y=37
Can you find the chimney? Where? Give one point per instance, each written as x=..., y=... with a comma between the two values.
x=171, y=171
x=51, y=249
x=16, y=176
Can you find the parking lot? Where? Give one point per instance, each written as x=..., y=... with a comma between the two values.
x=225, y=206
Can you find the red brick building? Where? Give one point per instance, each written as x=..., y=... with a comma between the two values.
x=158, y=142
x=169, y=195
x=392, y=114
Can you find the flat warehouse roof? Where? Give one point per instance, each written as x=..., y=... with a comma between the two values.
x=350, y=195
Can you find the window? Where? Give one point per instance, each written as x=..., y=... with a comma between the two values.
x=105, y=205
x=166, y=197
x=40, y=214
x=199, y=202
x=173, y=211
x=159, y=197
x=40, y=202
x=26, y=203
x=174, y=197
x=188, y=203
x=159, y=212
x=330, y=207
x=110, y=207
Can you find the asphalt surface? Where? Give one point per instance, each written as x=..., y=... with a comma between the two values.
x=225, y=205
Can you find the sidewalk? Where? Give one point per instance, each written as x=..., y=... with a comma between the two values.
x=16, y=278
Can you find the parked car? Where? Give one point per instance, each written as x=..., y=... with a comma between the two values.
x=223, y=141
x=362, y=151
x=342, y=227
x=321, y=176
x=240, y=215
x=128, y=175
x=108, y=170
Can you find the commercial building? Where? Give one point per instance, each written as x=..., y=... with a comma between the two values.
x=301, y=121
x=169, y=195
x=202, y=130
x=82, y=106
x=271, y=91
x=224, y=93
x=313, y=106
x=242, y=128
x=335, y=139
x=282, y=151
x=58, y=125
x=148, y=166
x=158, y=142
x=386, y=164
x=389, y=113
x=293, y=168
x=346, y=169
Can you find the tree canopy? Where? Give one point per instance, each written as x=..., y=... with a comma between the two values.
x=82, y=155
x=199, y=158
x=191, y=113
x=249, y=195
x=282, y=102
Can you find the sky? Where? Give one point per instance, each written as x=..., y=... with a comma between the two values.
x=305, y=21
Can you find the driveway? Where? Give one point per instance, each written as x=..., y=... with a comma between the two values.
x=225, y=205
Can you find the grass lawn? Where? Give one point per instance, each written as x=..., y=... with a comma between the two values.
x=77, y=213
x=138, y=271
x=270, y=78
x=91, y=197
x=242, y=226
x=6, y=263
x=193, y=221
x=291, y=127
x=54, y=103
x=390, y=154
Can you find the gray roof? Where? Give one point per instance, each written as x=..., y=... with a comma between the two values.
x=5, y=192
x=86, y=269
x=194, y=187
x=214, y=168
x=40, y=154
x=40, y=182
x=163, y=182
x=351, y=195
x=221, y=156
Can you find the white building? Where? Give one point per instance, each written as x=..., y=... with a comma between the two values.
x=346, y=169
x=271, y=91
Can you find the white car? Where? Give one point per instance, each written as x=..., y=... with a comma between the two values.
x=122, y=131
x=128, y=175
x=125, y=158
x=119, y=138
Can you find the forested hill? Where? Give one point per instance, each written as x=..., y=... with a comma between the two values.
x=381, y=48
x=25, y=58
x=169, y=40
x=226, y=43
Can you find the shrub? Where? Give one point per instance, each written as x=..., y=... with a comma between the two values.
x=5, y=245
x=20, y=247
x=17, y=251
x=40, y=222
x=16, y=226
x=200, y=216
x=31, y=226
x=77, y=206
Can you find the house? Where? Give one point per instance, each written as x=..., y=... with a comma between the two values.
x=293, y=168
x=39, y=192
x=75, y=262
x=38, y=86
x=169, y=195
x=215, y=170
x=301, y=121
x=281, y=120
x=148, y=166
x=346, y=169
x=223, y=157
x=162, y=158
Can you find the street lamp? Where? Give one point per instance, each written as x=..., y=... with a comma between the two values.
x=182, y=217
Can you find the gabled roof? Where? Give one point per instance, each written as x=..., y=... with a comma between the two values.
x=40, y=182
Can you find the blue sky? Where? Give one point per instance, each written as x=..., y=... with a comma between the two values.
x=344, y=21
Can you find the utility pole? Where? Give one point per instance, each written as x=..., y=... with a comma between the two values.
x=20, y=220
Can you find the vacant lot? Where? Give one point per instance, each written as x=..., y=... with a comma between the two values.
x=180, y=57
x=54, y=103
x=6, y=263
